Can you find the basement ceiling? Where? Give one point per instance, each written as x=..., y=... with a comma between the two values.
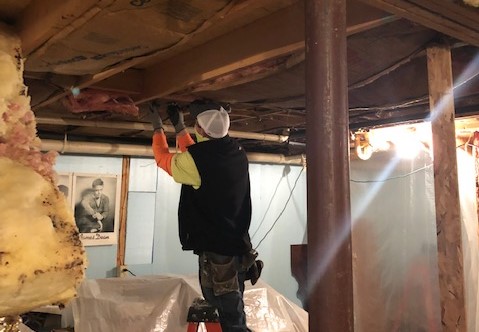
x=114, y=56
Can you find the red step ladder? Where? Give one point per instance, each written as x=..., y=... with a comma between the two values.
x=210, y=327
x=202, y=312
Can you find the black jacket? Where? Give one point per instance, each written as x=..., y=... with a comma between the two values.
x=216, y=217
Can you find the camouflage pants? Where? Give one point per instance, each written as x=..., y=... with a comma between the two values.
x=219, y=272
x=222, y=284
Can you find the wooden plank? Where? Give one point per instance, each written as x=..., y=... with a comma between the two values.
x=422, y=15
x=274, y=36
x=125, y=176
x=236, y=9
x=448, y=217
x=234, y=50
x=456, y=12
x=130, y=82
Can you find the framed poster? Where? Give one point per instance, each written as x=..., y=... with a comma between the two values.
x=96, y=206
x=65, y=184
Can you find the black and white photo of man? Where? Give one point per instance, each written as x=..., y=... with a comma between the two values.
x=93, y=212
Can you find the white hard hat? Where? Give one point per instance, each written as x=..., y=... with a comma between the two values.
x=214, y=122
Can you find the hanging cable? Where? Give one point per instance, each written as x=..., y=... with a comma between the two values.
x=403, y=175
x=282, y=211
x=393, y=177
x=269, y=205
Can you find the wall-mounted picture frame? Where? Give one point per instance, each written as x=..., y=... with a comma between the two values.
x=65, y=185
x=96, y=207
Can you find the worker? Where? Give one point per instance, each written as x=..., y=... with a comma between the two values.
x=214, y=212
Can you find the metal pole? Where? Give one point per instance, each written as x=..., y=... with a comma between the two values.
x=330, y=286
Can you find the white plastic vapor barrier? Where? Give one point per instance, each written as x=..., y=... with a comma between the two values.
x=396, y=286
x=396, y=282
x=160, y=304
x=467, y=193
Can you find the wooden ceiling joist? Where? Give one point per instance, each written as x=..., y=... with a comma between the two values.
x=264, y=39
x=233, y=11
x=274, y=36
x=129, y=81
x=450, y=19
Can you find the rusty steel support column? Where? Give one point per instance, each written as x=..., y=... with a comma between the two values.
x=330, y=284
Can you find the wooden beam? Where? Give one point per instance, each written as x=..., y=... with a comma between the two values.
x=125, y=176
x=448, y=214
x=125, y=65
x=273, y=36
x=252, y=73
x=454, y=11
x=129, y=81
x=233, y=51
x=277, y=35
x=42, y=20
x=448, y=18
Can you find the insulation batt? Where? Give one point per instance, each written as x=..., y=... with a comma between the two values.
x=41, y=256
x=42, y=260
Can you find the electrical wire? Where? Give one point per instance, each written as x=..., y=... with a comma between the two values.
x=282, y=211
x=407, y=174
x=269, y=205
x=351, y=180
x=126, y=270
x=393, y=177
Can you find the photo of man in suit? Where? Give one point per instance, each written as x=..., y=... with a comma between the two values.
x=92, y=214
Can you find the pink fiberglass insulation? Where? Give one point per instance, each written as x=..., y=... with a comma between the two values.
x=18, y=136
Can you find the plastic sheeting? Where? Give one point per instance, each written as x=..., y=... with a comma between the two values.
x=24, y=328
x=160, y=303
x=468, y=199
x=396, y=286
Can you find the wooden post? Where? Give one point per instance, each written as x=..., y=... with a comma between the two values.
x=330, y=282
x=448, y=216
x=125, y=175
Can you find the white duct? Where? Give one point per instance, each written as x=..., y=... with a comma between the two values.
x=91, y=148
x=147, y=127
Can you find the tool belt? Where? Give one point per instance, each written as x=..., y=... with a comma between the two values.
x=220, y=272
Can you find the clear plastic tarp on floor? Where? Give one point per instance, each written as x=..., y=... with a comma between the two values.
x=160, y=303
